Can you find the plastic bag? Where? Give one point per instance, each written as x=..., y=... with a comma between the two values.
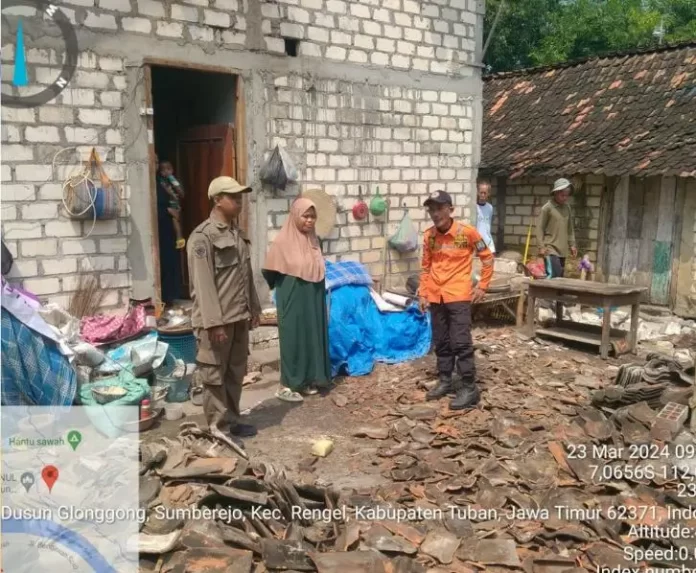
x=405, y=240
x=279, y=170
x=537, y=269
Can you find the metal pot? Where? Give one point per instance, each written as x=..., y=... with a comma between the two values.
x=360, y=209
x=378, y=205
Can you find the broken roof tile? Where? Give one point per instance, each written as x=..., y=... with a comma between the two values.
x=545, y=112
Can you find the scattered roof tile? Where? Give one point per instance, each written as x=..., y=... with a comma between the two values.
x=613, y=115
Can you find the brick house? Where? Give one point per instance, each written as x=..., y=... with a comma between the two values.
x=360, y=92
x=623, y=129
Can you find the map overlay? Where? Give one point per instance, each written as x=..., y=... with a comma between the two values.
x=70, y=481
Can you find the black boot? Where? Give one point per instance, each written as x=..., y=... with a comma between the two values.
x=443, y=388
x=467, y=396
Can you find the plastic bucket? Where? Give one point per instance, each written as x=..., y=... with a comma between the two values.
x=178, y=388
x=173, y=411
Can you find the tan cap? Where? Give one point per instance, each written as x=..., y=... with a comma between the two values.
x=225, y=184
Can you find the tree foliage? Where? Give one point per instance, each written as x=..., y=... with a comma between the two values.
x=542, y=32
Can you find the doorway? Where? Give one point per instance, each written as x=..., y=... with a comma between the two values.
x=643, y=234
x=195, y=126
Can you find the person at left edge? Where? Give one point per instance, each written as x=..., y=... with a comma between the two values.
x=225, y=306
x=446, y=287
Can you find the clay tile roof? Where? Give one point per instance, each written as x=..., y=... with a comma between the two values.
x=613, y=115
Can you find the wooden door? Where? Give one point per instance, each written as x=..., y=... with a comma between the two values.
x=660, y=285
x=203, y=153
x=641, y=228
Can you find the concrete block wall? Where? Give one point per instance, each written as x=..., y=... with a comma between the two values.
x=437, y=36
x=382, y=92
x=524, y=199
x=407, y=142
x=41, y=147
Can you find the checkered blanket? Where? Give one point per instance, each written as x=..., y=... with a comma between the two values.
x=34, y=372
x=346, y=273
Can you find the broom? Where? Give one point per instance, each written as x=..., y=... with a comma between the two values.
x=87, y=298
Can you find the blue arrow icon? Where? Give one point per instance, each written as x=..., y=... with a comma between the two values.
x=20, y=77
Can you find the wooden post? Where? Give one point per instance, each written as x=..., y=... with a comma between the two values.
x=147, y=73
x=531, y=311
x=520, y=307
x=633, y=336
x=240, y=148
x=385, y=250
x=606, y=331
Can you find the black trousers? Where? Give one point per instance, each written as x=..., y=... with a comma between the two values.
x=452, y=338
x=557, y=265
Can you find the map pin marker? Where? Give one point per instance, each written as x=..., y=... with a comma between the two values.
x=27, y=480
x=74, y=439
x=50, y=476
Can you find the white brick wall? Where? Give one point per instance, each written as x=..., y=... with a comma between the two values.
x=437, y=36
x=431, y=35
x=348, y=135
x=48, y=245
x=408, y=141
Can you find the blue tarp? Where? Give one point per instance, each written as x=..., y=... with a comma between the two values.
x=360, y=335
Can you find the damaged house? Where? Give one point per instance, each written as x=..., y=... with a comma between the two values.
x=623, y=129
x=361, y=94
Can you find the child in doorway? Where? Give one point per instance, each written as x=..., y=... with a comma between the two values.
x=166, y=179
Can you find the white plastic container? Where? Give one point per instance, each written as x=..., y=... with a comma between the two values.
x=173, y=411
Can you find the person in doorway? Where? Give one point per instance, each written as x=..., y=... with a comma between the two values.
x=295, y=269
x=166, y=179
x=446, y=289
x=484, y=213
x=225, y=306
x=555, y=229
x=170, y=258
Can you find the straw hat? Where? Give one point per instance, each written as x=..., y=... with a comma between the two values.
x=326, y=211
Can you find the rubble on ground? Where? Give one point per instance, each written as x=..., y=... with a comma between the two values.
x=544, y=477
x=652, y=326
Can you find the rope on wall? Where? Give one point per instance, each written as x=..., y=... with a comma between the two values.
x=81, y=177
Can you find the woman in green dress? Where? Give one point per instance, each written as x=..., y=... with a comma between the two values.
x=295, y=269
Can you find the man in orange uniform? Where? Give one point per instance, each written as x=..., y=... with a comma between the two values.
x=446, y=288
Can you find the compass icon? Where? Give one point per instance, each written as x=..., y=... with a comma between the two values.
x=20, y=76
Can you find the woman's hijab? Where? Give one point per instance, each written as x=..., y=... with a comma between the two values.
x=296, y=253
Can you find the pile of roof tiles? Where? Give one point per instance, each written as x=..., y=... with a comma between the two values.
x=539, y=479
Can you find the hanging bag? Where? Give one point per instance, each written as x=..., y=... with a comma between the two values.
x=279, y=170
x=405, y=240
x=91, y=194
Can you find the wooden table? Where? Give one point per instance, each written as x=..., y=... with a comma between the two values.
x=575, y=291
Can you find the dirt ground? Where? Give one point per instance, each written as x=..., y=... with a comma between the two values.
x=287, y=430
x=524, y=498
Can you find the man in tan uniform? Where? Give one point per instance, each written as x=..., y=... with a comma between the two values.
x=225, y=305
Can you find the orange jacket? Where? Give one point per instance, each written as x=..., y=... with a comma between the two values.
x=448, y=259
